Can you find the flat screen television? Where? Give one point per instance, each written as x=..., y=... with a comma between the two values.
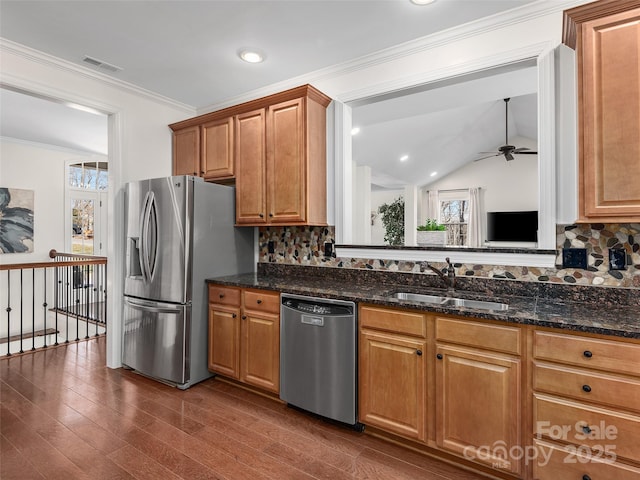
x=512, y=226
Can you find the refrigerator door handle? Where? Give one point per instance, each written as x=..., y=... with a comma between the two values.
x=149, y=237
x=149, y=308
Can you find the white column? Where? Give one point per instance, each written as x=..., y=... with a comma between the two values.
x=362, y=205
x=410, y=214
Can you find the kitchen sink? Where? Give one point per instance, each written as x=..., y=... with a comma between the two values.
x=479, y=304
x=417, y=297
x=451, y=301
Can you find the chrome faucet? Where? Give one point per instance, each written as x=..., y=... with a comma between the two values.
x=450, y=277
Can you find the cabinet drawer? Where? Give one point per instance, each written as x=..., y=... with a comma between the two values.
x=555, y=462
x=224, y=295
x=588, y=386
x=609, y=355
x=482, y=335
x=392, y=320
x=579, y=424
x=262, y=300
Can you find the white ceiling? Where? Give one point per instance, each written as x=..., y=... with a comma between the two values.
x=187, y=50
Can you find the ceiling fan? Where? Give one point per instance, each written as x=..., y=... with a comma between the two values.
x=507, y=150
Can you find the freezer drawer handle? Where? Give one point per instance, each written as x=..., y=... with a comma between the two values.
x=147, y=308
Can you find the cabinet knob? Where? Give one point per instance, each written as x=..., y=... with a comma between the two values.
x=261, y=215
x=271, y=214
x=587, y=354
x=586, y=477
x=233, y=315
x=586, y=388
x=586, y=429
x=439, y=356
x=244, y=317
x=419, y=353
x=222, y=295
x=195, y=174
x=258, y=301
x=202, y=172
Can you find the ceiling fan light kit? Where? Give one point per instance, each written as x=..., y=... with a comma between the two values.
x=507, y=150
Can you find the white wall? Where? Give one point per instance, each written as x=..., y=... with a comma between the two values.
x=505, y=186
x=139, y=143
x=40, y=169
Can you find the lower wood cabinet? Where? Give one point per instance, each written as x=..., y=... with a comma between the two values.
x=244, y=335
x=478, y=406
x=586, y=406
x=392, y=369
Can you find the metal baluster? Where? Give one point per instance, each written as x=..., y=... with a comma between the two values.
x=44, y=306
x=33, y=309
x=21, y=310
x=78, y=293
x=9, y=312
x=57, y=300
x=66, y=307
x=87, y=300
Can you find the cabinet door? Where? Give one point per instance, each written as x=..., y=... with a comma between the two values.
x=217, y=149
x=478, y=405
x=610, y=125
x=251, y=204
x=186, y=151
x=261, y=350
x=286, y=163
x=392, y=383
x=224, y=340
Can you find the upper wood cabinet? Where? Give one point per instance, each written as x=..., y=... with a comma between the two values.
x=606, y=36
x=186, y=151
x=277, y=155
x=205, y=150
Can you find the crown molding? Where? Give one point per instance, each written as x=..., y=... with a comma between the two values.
x=64, y=65
x=512, y=17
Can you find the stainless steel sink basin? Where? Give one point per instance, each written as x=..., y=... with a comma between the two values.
x=417, y=297
x=478, y=304
x=450, y=301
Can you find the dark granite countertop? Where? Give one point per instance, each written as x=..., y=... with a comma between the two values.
x=607, y=313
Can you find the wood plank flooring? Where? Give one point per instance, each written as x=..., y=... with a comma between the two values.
x=64, y=415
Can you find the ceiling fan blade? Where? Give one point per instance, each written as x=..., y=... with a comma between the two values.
x=521, y=149
x=488, y=156
x=508, y=156
x=525, y=153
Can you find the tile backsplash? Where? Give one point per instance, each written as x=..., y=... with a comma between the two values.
x=306, y=246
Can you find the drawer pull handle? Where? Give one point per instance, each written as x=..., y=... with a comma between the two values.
x=439, y=356
x=258, y=301
x=419, y=353
x=586, y=388
x=586, y=477
x=586, y=429
x=587, y=354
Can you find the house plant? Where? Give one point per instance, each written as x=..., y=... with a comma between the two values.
x=392, y=216
x=431, y=233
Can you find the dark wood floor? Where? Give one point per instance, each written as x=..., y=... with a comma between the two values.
x=64, y=415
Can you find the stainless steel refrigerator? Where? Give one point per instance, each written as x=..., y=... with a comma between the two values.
x=179, y=231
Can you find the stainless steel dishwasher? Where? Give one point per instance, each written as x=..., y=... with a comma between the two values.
x=318, y=356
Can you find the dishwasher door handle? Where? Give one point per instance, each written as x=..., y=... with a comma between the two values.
x=315, y=321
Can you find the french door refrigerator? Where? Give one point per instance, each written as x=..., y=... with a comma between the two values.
x=179, y=231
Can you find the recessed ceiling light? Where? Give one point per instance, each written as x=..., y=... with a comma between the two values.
x=422, y=2
x=433, y=174
x=251, y=55
x=355, y=130
x=404, y=158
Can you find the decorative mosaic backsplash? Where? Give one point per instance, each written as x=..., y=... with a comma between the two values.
x=305, y=246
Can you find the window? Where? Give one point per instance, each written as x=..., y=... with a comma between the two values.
x=454, y=213
x=86, y=190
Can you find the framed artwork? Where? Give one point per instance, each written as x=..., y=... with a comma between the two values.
x=16, y=220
